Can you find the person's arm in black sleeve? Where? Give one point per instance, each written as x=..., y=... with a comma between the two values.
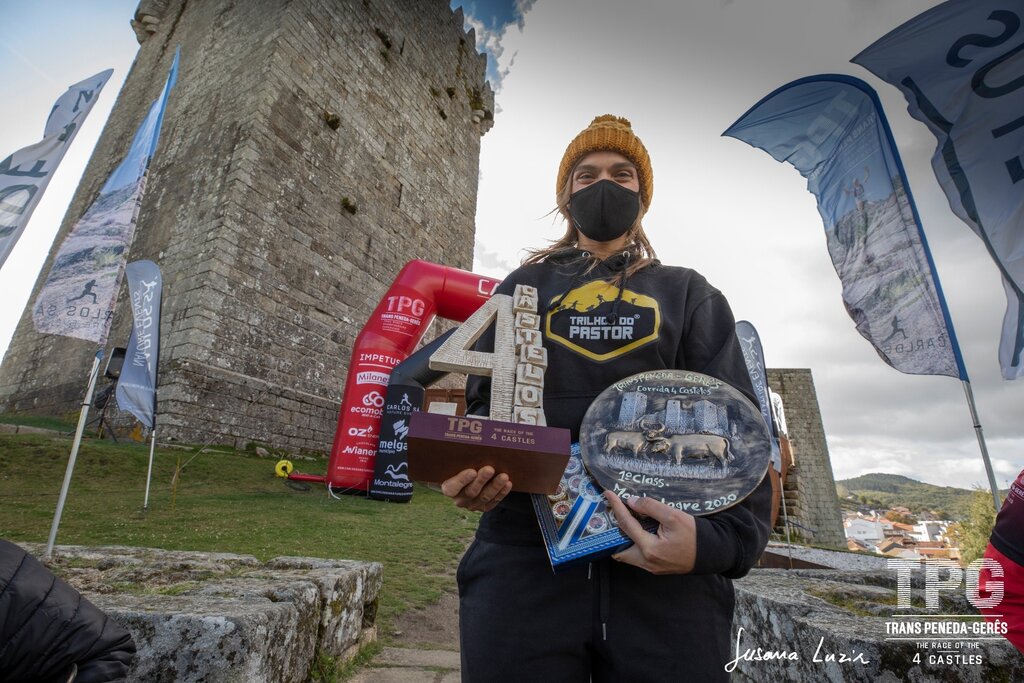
x=731, y=541
x=46, y=626
x=710, y=345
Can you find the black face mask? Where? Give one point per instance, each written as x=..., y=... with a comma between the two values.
x=605, y=210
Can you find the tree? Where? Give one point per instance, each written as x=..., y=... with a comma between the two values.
x=972, y=534
x=900, y=517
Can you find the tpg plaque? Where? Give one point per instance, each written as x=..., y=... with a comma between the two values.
x=533, y=456
x=686, y=439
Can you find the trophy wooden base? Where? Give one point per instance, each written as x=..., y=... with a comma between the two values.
x=440, y=446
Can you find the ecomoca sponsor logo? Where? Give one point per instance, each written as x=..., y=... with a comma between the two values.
x=372, y=377
x=364, y=410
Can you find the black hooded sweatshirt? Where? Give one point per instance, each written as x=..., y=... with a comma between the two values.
x=599, y=328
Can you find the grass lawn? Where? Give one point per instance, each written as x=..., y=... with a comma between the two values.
x=55, y=423
x=227, y=502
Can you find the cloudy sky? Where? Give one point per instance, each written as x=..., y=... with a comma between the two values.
x=682, y=72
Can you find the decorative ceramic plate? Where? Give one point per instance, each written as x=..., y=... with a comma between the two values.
x=686, y=439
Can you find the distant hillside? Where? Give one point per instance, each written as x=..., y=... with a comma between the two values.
x=883, y=491
x=879, y=481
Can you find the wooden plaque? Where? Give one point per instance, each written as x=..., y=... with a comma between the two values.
x=441, y=446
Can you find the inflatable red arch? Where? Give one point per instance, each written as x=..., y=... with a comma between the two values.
x=421, y=291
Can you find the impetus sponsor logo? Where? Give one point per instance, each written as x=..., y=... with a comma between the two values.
x=379, y=359
x=372, y=377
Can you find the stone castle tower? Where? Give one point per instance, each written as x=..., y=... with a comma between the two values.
x=810, y=486
x=309, y=150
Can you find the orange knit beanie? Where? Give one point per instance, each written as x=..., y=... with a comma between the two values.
x=612, y=133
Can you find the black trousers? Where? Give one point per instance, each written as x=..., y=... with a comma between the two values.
x=600, y=622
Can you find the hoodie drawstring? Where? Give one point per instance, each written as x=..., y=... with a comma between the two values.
x=604, y=586
x=614, y=317
x=626, y=255
x=553, y=306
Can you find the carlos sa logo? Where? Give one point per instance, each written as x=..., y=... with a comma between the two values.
x=588, y=322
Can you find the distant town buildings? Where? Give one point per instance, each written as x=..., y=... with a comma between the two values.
x=875, y=533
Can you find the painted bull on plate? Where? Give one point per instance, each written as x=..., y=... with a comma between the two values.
x=630, y=441
x=698, y=447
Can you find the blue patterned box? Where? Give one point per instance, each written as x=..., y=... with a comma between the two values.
x=575, y=521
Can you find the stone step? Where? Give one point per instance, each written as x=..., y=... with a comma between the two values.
x=405, y=665
x=400, y=656
x=399, y=675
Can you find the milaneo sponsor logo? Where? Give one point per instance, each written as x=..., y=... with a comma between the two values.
x=372, y=377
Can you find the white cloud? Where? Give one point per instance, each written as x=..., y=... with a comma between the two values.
x=493, y=41
x=487, y=262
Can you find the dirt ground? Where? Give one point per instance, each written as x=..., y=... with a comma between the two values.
x=435, y=627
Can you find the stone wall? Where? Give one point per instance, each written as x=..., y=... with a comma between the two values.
x=221, y=617
x=830, y=625
x=309, y=150
x=810, y=487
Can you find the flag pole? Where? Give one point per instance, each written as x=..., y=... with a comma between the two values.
x=82, y=417
x=149, y=472
x=981, y=443
x=785, y=521
x=156, y=374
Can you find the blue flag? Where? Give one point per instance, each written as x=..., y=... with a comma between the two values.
x=25, y=174
x=136, y=387
x=78, y=297
x=832, y=129
x=959, y=66
x=753, y=357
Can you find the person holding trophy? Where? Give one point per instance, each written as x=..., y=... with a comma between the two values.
x=660, y=610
